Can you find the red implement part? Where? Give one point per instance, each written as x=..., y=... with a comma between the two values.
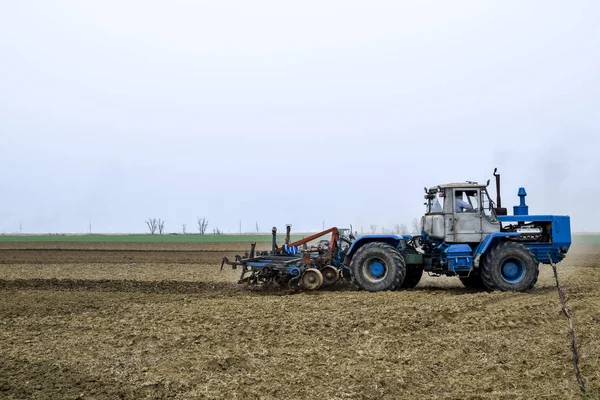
x=335, y=235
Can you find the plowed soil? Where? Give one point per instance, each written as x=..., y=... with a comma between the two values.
x=119, y=321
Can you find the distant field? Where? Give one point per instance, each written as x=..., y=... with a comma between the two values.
x=592, y=238
x=144, y=238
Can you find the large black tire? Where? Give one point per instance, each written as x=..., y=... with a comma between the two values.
x=472, y=281
x=510, y=267
x=378, y=266
x=413, y=276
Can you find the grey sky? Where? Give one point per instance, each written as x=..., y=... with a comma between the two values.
x=277, y=112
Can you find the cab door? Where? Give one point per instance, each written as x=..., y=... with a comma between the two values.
x=465, y=226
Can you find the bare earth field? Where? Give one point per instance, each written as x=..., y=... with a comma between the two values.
x=131, y=321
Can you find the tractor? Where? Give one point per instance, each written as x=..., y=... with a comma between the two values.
x=463, y=234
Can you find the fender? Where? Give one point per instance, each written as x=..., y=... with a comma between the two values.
x=393, y=240
x=485, y=243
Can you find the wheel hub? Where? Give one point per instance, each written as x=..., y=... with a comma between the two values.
x=377, y=269
x=512, y=271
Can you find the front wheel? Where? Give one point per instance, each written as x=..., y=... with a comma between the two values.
x=510, y=266
x=378, y=266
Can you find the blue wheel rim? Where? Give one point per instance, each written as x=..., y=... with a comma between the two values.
x=376, y=269
x=512, y=270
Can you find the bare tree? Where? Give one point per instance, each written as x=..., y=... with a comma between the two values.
x=161, y=226
x=152, y=225
x=217, y=231
x=415, y=225
x=401, y=229
x=257, y=228
x=373, y=228
x=183, y=226
x=202, y=225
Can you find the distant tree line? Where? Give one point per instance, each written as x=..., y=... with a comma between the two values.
x=157, y=225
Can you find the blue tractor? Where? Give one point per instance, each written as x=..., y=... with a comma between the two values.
x=464, y=234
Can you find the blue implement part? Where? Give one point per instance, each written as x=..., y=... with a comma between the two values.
x=512, y=270
x=377, y=269
x=290, y=249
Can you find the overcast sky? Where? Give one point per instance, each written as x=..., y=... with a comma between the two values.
x=291, y=112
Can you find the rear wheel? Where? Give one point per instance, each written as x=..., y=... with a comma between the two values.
x=510, y=266
x=413, y=276
x=378, y=266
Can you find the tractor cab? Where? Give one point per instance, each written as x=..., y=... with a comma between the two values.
x=459, y=213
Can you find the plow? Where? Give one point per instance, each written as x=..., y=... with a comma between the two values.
x=295, y=264
x=464, y=233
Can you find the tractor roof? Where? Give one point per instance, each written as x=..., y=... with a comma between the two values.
x=465, y=185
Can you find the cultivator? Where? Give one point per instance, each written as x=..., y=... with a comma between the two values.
x=295, y=263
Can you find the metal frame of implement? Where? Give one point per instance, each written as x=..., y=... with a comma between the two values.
x=288, y=264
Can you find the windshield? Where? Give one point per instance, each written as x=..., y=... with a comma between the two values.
x=435, y=204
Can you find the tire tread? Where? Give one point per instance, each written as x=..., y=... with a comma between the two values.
x=487, y=271
x=395, y=255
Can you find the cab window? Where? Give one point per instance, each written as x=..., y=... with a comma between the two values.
x=466, y=201
x=435, y=204
x=486, y=206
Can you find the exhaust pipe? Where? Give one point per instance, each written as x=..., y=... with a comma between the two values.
x=498, y=199
x=499, y=209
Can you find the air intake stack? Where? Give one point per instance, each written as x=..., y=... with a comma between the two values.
x=522, y=208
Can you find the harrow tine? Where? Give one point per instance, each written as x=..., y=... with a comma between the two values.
x=223, y=262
